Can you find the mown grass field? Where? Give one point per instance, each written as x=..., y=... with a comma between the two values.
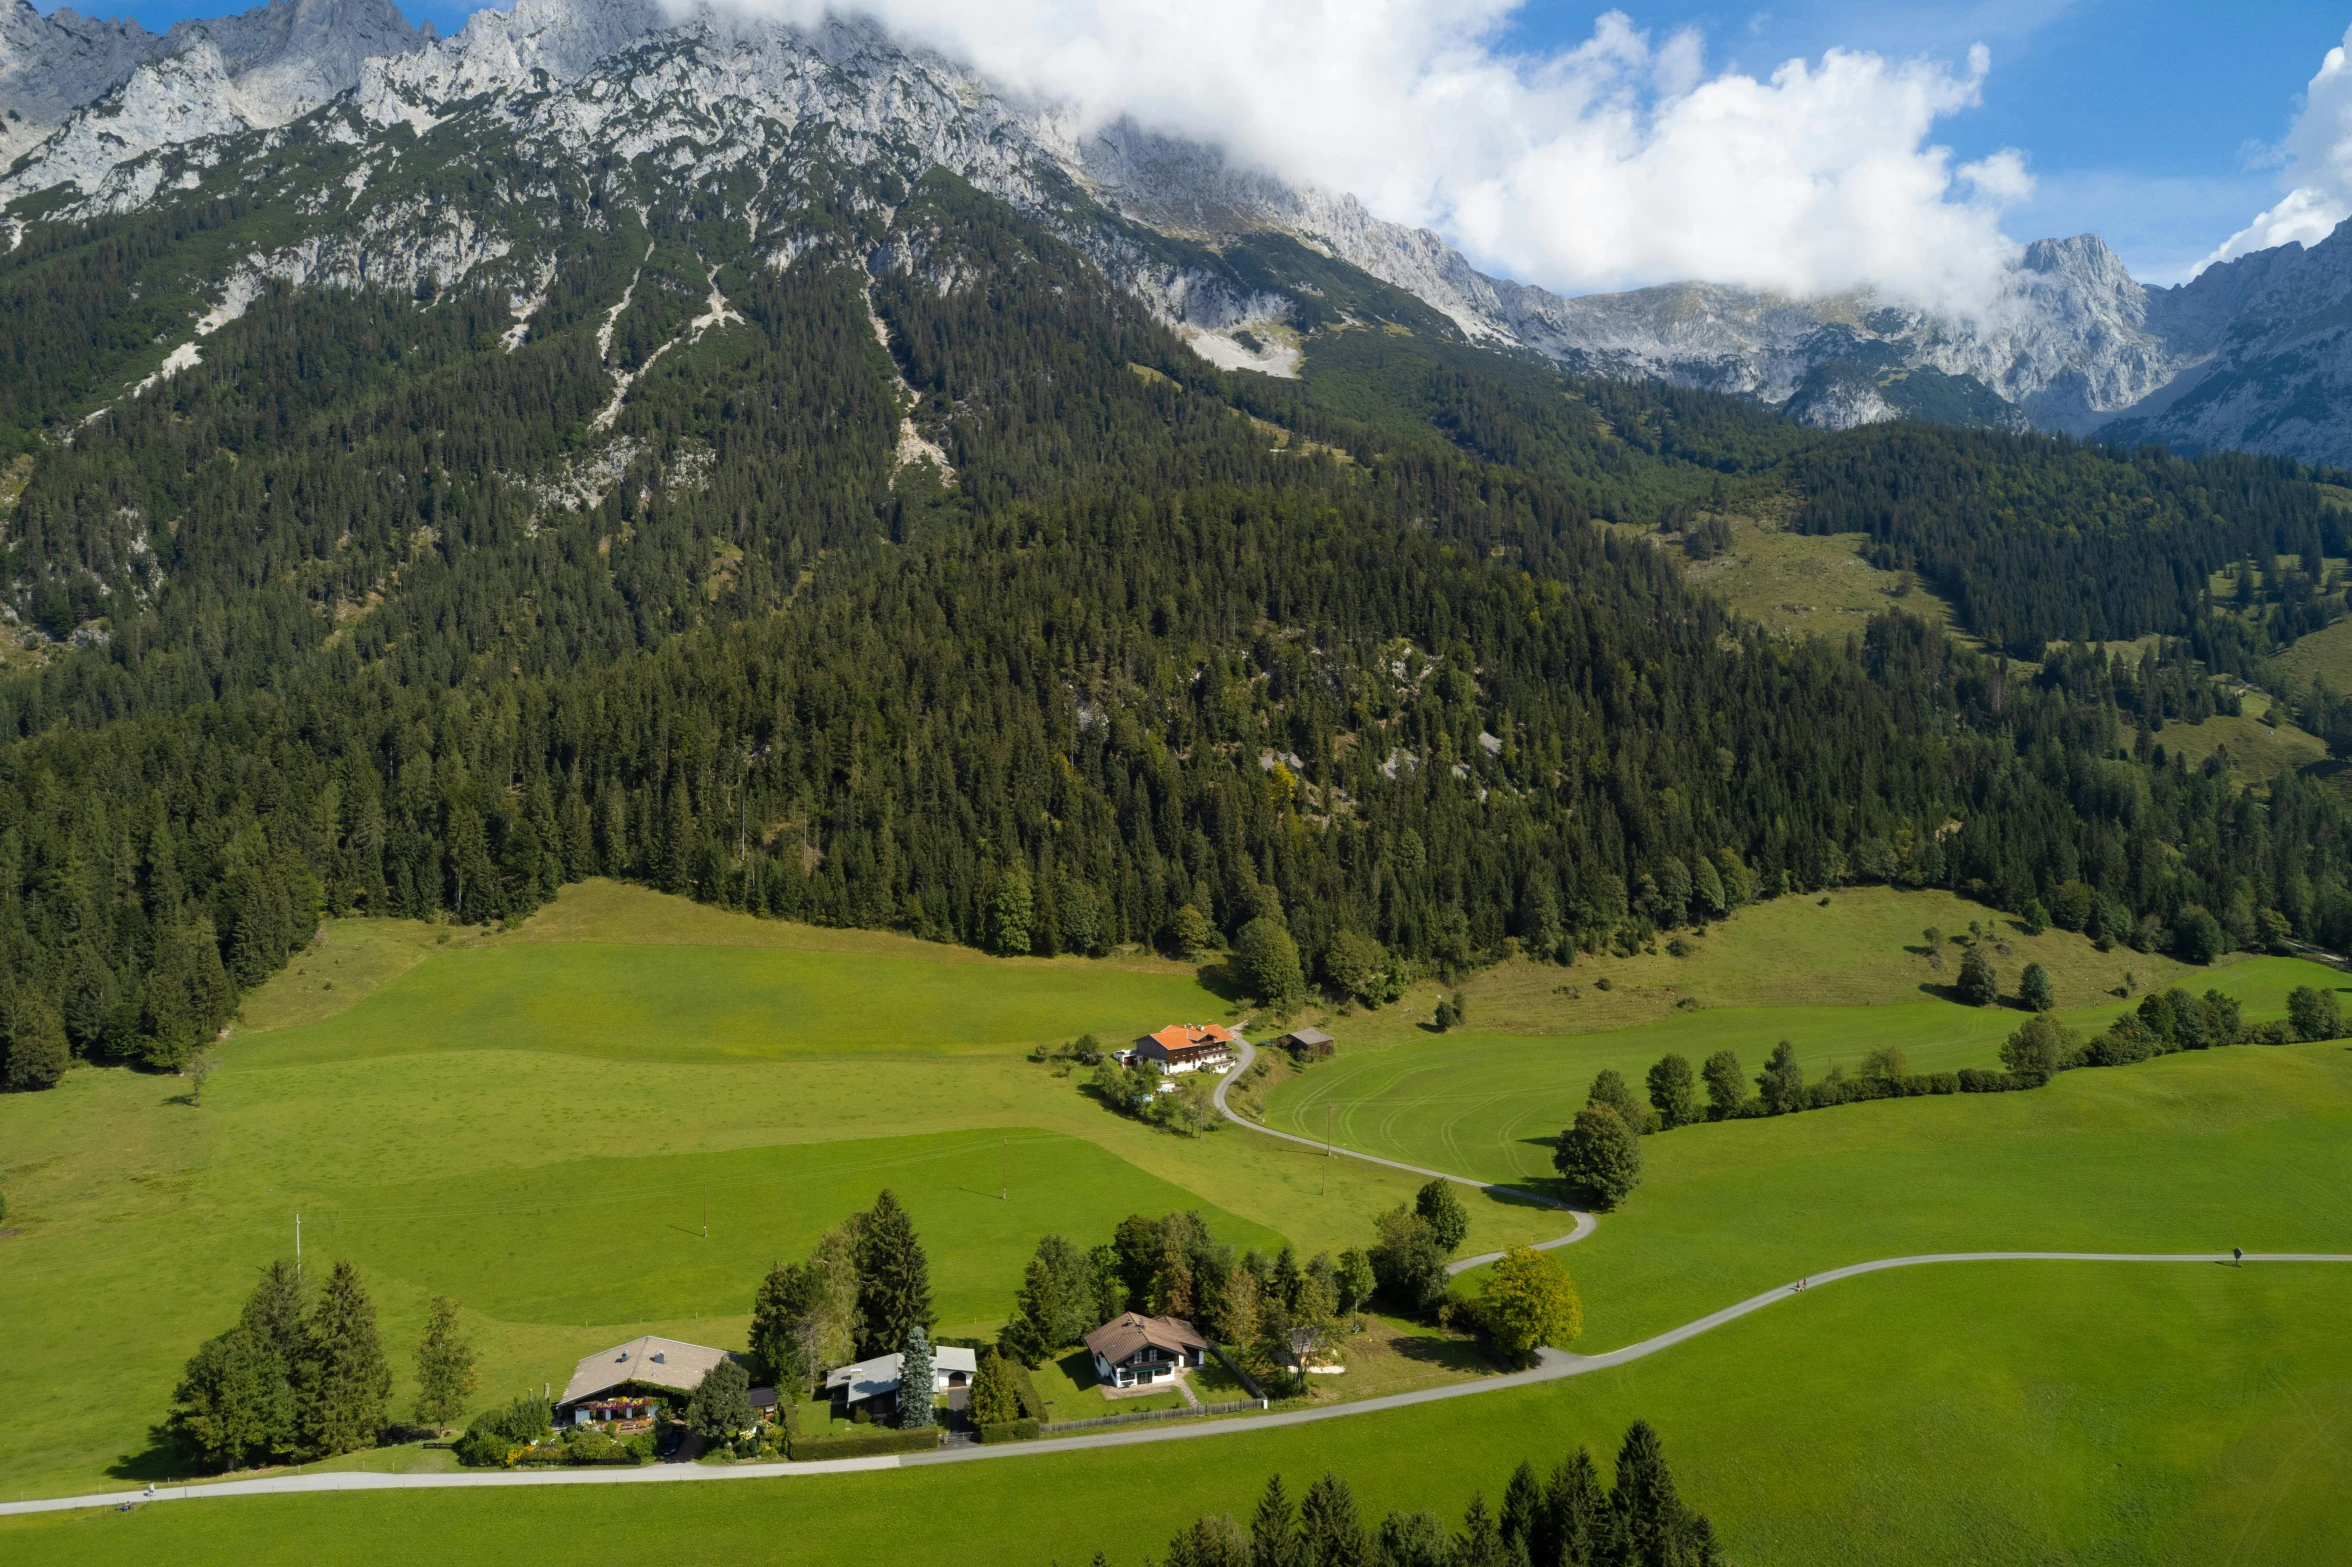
x=462, y=1118
x=479, y=1117
x=1987, y=1413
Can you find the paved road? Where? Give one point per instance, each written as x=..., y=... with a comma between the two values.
x=1552, y=1366
x=1520, y=1194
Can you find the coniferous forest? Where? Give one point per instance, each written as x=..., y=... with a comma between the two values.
x=387, y=606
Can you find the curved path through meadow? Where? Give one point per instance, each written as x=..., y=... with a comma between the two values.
x=1551, y=1365
x=1584, y=1221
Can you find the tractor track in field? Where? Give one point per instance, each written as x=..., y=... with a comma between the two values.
x=1584, y=1222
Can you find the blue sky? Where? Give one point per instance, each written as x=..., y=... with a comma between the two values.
x=2145, y=121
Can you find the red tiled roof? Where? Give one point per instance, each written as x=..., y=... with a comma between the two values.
x=1193, y=1036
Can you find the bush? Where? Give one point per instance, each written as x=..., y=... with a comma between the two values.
x=2042, y=1049
x=858, y=1444
x=1976, y=1080
x=2127, y=1040
x=1022, y=1430
x=496, y=1432
x=2316, y=1014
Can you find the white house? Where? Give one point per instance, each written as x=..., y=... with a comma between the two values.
x=874, y=1382
x=1134, y=1348
x=1186, y=1047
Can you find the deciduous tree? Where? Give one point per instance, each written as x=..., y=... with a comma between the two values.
x=1601, y=1154
x=1530, y=1301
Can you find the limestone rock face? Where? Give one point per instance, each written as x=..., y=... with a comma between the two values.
x=105, y=116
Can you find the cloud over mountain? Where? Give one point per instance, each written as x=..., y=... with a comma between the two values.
x=2316, y=159
x=1620, y=161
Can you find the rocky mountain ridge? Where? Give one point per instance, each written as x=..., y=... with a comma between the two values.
x=2070, y=343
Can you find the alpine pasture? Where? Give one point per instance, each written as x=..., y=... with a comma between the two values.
x=543, y=1121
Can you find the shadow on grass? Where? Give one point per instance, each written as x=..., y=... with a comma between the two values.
x=161, y=1461
x=1461, y=1356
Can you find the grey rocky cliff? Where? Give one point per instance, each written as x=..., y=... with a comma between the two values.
x=2069, y=341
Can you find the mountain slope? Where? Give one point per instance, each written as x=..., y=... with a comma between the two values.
x=2070, y=343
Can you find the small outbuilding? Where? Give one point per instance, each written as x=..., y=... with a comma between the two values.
x=1187, y=1047
x=1133, y=1349
x=1305, y=1044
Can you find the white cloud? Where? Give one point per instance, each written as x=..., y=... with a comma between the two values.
x=2317, y=159
x=1618, y=162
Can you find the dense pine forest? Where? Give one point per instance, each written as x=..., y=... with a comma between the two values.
x=390, y=606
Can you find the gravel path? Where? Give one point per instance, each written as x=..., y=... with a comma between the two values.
x=1514, y=1194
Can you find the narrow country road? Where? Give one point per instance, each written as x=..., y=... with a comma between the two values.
x=1552, y=1366
x=1584, y=1221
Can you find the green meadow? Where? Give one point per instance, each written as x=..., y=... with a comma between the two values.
x=542, y=1122
x=458, y=1118
x=2027, y=1413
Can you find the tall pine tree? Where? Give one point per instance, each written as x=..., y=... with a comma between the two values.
x=341, y=1382
x=893, y=1279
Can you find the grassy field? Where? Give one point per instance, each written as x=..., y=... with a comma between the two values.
x=460, y=1118
x=1803, y=584
x=530, y=1119
x=2325, y=655
x=1988, y=1413
x=1857, y=947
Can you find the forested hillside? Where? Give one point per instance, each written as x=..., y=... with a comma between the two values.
x=394, y=604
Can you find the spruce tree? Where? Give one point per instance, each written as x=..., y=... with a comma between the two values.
x=915, y=1381
x=1035, y=1329
x=1331, y=1534
x=1480, y=1544
x=1651, y=1521
x=2034, y=989
x=1522, y=1511
x=776, y=1344
x=445, y=1370
x=341, y=1382
x=893, y=1279
x=1274, y=1540
x=1576, y=1518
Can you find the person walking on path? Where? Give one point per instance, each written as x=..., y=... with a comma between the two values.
x=2238, y=1256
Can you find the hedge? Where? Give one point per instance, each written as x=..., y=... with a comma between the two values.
x=1012, y=1431
x=858, y=1445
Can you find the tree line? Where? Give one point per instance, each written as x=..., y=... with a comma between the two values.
x=1569, y=1518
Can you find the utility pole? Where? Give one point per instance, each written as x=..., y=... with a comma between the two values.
x=706, y=1210
x=1004, y=1171
x=297, y=1248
